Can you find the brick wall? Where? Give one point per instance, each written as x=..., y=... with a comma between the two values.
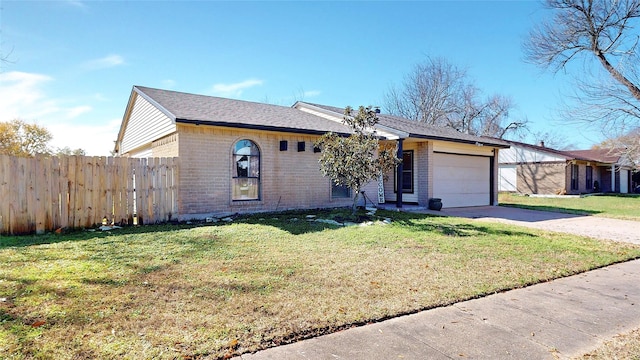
x=422, y=168
x=289, y=179
x=165, y=147
x=542, y=178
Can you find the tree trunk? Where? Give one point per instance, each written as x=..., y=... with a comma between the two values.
x=354, y=206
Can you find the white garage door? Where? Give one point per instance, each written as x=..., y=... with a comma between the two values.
x=461, y=180
x=507, y=177
x=624, y=181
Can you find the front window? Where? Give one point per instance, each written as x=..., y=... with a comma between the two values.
x=574, y=177
x=340, y=191
x=589, y=177
x=245, y=182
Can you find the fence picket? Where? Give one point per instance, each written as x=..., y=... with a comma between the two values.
x=63, y=185
x=47, y=193
x=27, y=196
x=108, y=191
x=5, y=186
x=54, y=189
x=42, y=197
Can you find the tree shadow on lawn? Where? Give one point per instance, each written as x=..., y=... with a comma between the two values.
x=417, y=223
x=294, y=222
x=551, y=208
x=88, y=234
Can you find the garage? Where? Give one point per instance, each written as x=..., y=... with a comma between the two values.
x=462, y=180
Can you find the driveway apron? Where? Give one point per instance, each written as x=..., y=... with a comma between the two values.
x=591, y=226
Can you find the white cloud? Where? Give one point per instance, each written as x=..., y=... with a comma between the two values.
x=168, y=83
x=103, y=63
x=236, y=88
x=312, y=93
x=22, y=96
x=96, y=140
x=76, y=3
x=78, y=110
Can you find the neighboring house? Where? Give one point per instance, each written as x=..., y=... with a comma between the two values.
x=536, y=169
x=239, y=156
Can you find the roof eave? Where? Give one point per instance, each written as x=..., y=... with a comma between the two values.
x=462, y=141
x=257, y=127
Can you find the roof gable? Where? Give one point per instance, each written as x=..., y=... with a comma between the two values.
x=144, y=122
x=604, y=156
x=408, y=128
x=211, y=110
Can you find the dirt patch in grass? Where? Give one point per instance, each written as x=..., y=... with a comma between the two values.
x=265, y=280
x=623, y=346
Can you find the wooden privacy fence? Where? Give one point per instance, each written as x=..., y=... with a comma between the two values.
x=47, y=193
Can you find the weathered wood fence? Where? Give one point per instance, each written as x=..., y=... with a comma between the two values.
x=47, y=193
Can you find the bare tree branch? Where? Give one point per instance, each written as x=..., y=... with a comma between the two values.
x=601, y=30
x=438, y=93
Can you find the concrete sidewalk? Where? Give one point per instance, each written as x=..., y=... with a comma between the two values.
x=558, y=319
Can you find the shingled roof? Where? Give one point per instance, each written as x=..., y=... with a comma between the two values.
x=605, y=156
x=599, y=155
x=420, y=130
x=210, y=110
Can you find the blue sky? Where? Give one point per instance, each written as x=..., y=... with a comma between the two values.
x=72, y=63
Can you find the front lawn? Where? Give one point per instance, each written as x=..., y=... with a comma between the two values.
x=625, y=207
x=221, y=289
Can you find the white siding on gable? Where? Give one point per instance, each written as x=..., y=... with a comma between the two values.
x=517, y=154
x=146, y=123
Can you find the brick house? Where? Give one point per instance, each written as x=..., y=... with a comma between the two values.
x=537, y=169
x=239, y=156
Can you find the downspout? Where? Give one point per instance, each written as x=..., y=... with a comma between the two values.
x=613, y=178
x=399, y=170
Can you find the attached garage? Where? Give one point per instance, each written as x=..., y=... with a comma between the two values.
x=462, y=180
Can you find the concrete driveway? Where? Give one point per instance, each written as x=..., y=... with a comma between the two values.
x=591, y=226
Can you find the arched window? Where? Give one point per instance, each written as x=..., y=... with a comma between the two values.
x=245, y=182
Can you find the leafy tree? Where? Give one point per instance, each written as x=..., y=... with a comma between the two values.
x=68, y=151
x=358, y=159
x=600, y=33
x=439, y=93
x=19, y=138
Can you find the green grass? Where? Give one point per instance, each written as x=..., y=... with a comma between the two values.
x=626, y=207
x=190, y=291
